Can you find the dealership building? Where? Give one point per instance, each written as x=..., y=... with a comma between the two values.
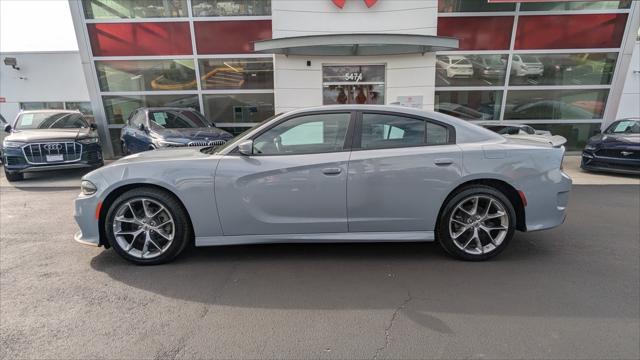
x=565, y=66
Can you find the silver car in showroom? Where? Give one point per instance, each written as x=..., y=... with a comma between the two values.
x=345, y=173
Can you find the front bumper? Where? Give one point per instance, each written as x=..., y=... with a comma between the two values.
x=85, y=215
x=15, y=161
x=591, y=161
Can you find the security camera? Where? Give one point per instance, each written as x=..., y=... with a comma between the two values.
x=11, y=61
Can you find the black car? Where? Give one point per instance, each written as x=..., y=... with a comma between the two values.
x=161, y=127
x=617, y=149
x=49, y=140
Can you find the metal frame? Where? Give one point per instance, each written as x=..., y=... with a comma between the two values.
x=616, y=85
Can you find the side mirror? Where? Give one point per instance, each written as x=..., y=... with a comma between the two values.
x=246, y=147
x=596, y=132
x=7, y=128
x=141, y=127
x=93, y=126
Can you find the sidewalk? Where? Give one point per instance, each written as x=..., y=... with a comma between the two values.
x=71, y=178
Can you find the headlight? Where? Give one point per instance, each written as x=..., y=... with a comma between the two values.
x=162, y=143
x=87, y=187
x=91, y=140
x=590, y=147
x=12, y=144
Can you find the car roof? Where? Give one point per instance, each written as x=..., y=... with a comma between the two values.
x=44, y=111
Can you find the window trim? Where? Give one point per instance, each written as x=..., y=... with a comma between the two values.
x=357, y=137
x=348, y=138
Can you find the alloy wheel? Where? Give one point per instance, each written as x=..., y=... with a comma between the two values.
x=478, y=224
x=143, y=228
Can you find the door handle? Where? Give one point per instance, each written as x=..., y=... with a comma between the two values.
x=443, y=161
x=331, y=171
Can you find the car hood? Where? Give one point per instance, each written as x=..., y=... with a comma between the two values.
x=617, y=139
x=207, y=133
x=164, y=154
x=48, y=135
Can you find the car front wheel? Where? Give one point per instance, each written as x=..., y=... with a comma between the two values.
x=476, y=223
x=147, y=226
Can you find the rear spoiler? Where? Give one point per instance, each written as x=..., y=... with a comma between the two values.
x=557, y=140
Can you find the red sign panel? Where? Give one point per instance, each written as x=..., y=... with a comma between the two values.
x=3, y=99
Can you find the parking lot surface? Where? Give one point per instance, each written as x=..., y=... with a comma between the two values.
x=571, y=292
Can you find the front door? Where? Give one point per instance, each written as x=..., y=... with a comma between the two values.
x=294, y=183
x=400, y=172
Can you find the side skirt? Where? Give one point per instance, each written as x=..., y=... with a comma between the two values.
x=317, y=238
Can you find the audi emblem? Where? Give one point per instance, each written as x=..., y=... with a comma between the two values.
x=51, y=147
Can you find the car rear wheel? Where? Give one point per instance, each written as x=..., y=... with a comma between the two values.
x=476, y=223
x=13, y=176
x=147, y=226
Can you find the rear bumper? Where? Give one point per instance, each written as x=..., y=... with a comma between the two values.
x=548, y=201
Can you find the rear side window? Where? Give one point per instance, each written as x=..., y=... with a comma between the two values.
x=380, y=131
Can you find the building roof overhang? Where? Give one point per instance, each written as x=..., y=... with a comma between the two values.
x=356, y=45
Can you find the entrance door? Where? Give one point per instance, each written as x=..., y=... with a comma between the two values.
x=353, y=84
x=294, y=183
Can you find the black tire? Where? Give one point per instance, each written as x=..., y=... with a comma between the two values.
x=13, y=176
x=443, y=234
x=183, y=232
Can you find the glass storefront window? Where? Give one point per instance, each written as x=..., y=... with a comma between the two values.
x=140, y=38
x=353, y=84
x=146, y=75
x=41, y=105
x=469, y=105
x=563, y=69
x=576, y=134
x=478, y=32
x=555, y=104
x=471, y=70
x=238, y=108
x=118, y=108
x=129, y=9
x=236, y=73
x=82, y=106
x=448, y=6
x=574, y=5
x=231, y=7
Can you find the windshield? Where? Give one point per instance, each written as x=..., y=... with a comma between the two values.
x=460, y=61
x=176, y=119
x=624, y=127
x=529, y=59
x=50, y=120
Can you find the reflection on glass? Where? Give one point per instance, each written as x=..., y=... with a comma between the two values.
x=447, y=6
x=41, y=105
x=352, y=73
x=469, y=105
x=118, y=108
x=238, y=108
x=576, y=134
x=563, y=69
x=146, y=75
x=575, y=5
x=555, y=104
x=231, y=7
x=236, y=73
x=82, y=106
x=470, y=70
x=129, y=9
x=353, y=94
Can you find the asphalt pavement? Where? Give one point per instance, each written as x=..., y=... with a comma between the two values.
x=571, y=292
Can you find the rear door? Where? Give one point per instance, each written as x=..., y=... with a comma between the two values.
x=294, y=183
x=400, y=171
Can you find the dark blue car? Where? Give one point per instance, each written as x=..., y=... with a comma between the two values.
x=153, y=128
x=617, y=149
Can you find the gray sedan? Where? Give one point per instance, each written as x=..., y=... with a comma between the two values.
x=329, y=174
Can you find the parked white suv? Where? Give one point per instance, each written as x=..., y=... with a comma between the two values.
x=454, y=66
x=526, y=65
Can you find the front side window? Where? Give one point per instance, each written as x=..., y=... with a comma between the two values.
x=52, y=120
x=317, y=133
x=380, y=131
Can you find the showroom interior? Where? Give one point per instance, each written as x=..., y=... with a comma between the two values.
x=558, y=66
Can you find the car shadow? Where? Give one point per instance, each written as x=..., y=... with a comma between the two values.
x=530, y=278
